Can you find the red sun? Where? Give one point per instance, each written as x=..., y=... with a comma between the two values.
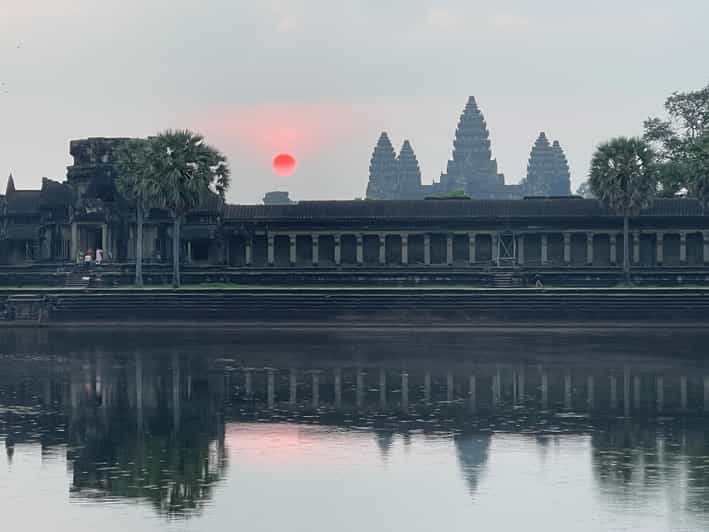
x=284, y=164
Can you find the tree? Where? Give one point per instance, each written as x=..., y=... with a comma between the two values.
x=623, y=176
x=584, y=191
x=183, y=169
x=677, y=139
x=134, y=184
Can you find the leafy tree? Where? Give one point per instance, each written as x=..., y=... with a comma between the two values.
x=678, y=141
x=134, y=185
x=184, y=170
x=584, y=191
x=623, y=176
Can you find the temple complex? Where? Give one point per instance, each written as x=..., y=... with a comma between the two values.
x=471, y=171
x=569, y=240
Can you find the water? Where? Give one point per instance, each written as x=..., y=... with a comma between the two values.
x=361, y=430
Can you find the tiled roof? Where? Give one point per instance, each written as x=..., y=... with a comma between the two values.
x=55, y=194
x=431, y=209
x=23, y=201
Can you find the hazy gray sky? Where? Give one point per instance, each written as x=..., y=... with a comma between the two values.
x=322, y=78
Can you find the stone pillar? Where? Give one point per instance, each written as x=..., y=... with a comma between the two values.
x=293, y=388
x=75, y=241
x=382, y=388
x=359, y=388
x=472, y=254
x=613, y=240
x=427, y=387
x=614, y=392
x=472, y=391
x=248, y=250
x=293, y=254
x=683, y=248
x=568, y=403
x=545, y=248
x=636, y=247
x=104, y=238
x=382, y=249
x=338, y=250
x=338, y=387
x=248, y=383
x=705, y=238
x=404, y=248
x=449, y=249
x=626, y=392
x=520, y=249
x=270, y=389
x=316, y=248
x=683, y=393
x=404, y=390
x=494, y=237
x=545, y=389
x=271, y=249
x=189, y=251
x=660, y=386
x=450, y=387
x=659, y=247
x=316, y=390
x=567, y=248
x=360, y=249
x=589, y=248
x=637, y=386
x=706, y=393
x=590, y=392
x=427, y=249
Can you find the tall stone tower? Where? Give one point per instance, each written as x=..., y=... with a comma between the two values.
x=383, y=171
x=409, y=178
x=547, y=171
x=561, y=183
x=472, y=168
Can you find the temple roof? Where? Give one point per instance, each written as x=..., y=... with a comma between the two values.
x=442, y=209
x=55, y=194
x=23, y=201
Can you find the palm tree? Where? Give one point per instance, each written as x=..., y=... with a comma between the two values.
x=133, y=184
x=184, y=170
x=623, y=177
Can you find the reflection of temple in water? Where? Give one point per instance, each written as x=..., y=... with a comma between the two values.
x=152, y=427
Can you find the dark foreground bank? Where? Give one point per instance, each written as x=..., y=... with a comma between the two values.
x=402, y=307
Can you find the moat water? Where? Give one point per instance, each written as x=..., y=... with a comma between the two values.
x=363, y=430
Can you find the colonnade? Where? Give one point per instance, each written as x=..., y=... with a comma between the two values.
x=582, y=247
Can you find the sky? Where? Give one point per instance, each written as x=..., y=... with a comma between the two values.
x=322, y=78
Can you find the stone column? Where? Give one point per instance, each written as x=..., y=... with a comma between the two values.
x=427, y=387
x=472, y=391
x=360, y=249
x=270, y=389
x=683, y=248
x=660, y=387
x=449, y=249
x=705, y=238
x=683, y=392
x=338, y=250
x=293, y=254
x=293, y=388
x=404, y=248
x=589, y=248
x=189, y=251
x=450, y=387
x=382, y=388
x=614, y=392
x=75, y=242
x=706, y=393
x=271, y=249
x=316, y=248
x=568, y=403
x=545, y=389
x=427, y=249
x=614, y=248
x=659, y=247
x=567, y=248
x=104, y=238
x=494, y=237
x=590, y=392
x=545, y=248
x=382, y=249
x=359, y=388
x=404, y=390
x=636, y=247
x=338, y=387
x=520, y=249
x=472, y=254
x=637, y=386
x=248, y=250
x=316, y=390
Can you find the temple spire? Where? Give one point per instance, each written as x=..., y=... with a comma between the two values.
x=409, y=182
x=10, y=186
x=541, y=168
x=561, y=183
x=383, y=170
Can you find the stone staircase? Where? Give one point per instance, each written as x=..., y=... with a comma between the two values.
x=78, y=280
x=505, y=278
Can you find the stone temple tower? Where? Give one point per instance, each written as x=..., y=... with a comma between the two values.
x=561, y=183
x=409, y=178
x=547, y=170
x=383, y=171
x=472, y=168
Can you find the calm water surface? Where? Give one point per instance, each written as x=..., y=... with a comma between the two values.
x=180, y=430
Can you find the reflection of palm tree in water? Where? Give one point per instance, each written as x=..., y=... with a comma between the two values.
x=472, y=451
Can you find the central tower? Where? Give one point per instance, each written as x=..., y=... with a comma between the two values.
x=472, y=168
